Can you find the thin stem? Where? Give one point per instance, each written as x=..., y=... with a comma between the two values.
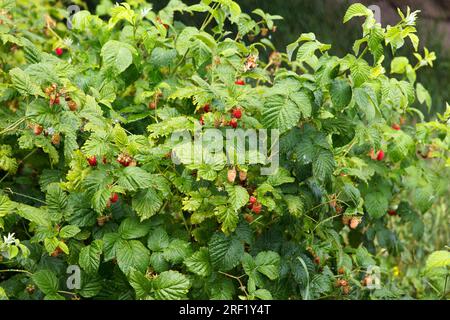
x=9, y=190
x=13, y=125
x=209, y=17
x=363, y=53
x=323, y=221
x=17, y=270
x=241, y=284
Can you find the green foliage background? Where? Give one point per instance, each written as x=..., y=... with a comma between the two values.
x=128, y=80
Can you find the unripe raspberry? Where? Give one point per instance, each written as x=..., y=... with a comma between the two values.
x=231, y=175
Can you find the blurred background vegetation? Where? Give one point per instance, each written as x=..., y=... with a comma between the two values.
x=324, y=18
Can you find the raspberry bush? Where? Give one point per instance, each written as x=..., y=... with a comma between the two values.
x=88, y=178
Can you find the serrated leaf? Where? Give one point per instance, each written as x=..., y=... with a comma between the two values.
x=281, y=176
x=134, y=178
x=177, y=251
x=36, y=215
x=131, y=254
x=23, y=83
x=6, y=205
x=141, y=285
x=237, y=196
x=228, y=217
x=158, y=239
x=323, y=163
x=69, y=231
x=438, y=259
x=263, y=294
x=146, y=203
x=118, y=55
x=268, y=263
x=46, y=281
x=170, y=285
x=199, y=263
x=295, y=205
x=225, y=252
x=56, y=199
x=89, y=258
x=360, y=72
x=341, y=93
x=376, y=204
x=131, y=228
x=356, y=10
x=280, y=112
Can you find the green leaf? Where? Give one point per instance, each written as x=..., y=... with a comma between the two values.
x=228, y=217
x=423, y=95
x=170, y=285
x=281, y=176
x=141, y=285
x=81, y=20
x=158, y=262
x=295, y=205
x=341, y=93
x=6, y=205
x=357, y=10
x=365, y=103
x=438, y=259
x=118, y=55
x=376, y=204
x=131, y=228
x=280, y=112
x=158, y=239
x=350, y=194
x=222, y=289
x=398, y=65
x=303, y=37
x=177, y=251
x=134, y=178
x=162, y=57
x=51, y=244
x=183, y=42
x=69, y=231
x=199, y=263
x=100, y=199
x=33, y=214
x=132, y=254
x=268, y=263
x=89, y=258
x=147, y=203
x=360, y=72
x=91, y=285
x=7, y=161
x=46, y=281
x=263, y=294
x=121, y=12
x=363, y=257
x=237, y=196
x=23, y=83
x=110, y=244
x=323, y=163
x=120, y=136
x=3, y=295
x=225, y=252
